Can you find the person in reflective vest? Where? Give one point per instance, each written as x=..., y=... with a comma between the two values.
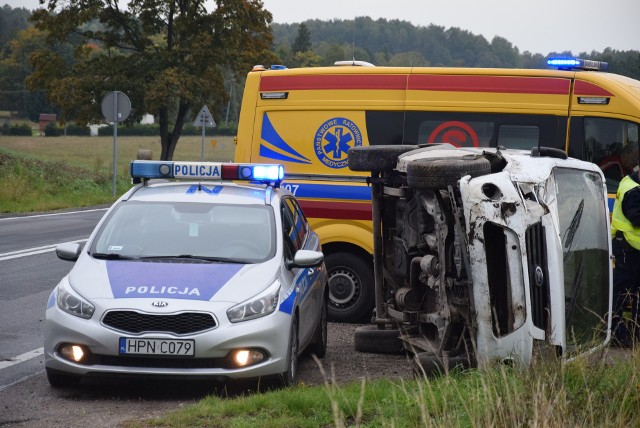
x=625, y=230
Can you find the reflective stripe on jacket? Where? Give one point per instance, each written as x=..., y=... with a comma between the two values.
x=618, y=220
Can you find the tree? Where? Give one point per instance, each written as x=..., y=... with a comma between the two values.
x=302, y=43
x=14, y=68
x=169, y=56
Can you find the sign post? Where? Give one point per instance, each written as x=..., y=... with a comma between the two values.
x=116, y=107
x=204, y=119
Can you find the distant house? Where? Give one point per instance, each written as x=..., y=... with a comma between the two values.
x=6, y=116
x=44, y=120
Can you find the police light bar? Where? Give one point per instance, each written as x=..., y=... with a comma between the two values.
x=577, y=64
x=264, y=173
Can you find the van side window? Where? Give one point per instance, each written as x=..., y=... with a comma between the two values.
x=612, y=144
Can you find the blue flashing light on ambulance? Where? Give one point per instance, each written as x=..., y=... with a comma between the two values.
x=308, y=118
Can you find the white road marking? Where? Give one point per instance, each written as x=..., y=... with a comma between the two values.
x=53, y=214
x=34, y=374
x=21, y=358
x=33, y=251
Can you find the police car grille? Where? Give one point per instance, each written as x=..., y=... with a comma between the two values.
x=136, y=322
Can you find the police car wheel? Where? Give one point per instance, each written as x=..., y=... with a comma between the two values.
x=319, y=345
x=289, y=377
x=60, y=380
x=439, y=173
x=371, y=339
x=351, y=292
x=376, y=158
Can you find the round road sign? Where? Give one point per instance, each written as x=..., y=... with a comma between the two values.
x=116, y=107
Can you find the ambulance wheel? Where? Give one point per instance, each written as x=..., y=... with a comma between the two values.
x=437, y=174
x=351, y=291
x=370, y=338
x=289, y=377
x=376, y=158
x=62, y=380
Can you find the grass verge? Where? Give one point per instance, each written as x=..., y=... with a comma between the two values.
x=44, y=174
x=578, y=393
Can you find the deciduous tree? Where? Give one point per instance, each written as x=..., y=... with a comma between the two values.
x=169, y=56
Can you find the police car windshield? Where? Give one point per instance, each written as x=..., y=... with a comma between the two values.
x=205, y=232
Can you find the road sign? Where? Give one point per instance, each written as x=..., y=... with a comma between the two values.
x=116, y=107
x=204, y=118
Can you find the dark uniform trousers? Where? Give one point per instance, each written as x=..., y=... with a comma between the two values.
x=626, y=289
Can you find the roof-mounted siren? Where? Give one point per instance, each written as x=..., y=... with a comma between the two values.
x=211, y=171
x=569, y=63
x=354, y=62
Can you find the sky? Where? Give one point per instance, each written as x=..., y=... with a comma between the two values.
x=538, y=26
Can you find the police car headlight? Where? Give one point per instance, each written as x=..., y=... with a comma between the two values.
x=258, y=306
x=71, y=302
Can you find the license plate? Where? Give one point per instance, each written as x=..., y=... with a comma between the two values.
x=174, y=347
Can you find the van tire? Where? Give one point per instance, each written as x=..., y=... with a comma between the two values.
x=351, y=291
x=370, y=338
x=376, y=158
x=437, y=174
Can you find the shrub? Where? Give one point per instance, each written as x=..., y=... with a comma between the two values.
x=16, y=129
x=52, y=130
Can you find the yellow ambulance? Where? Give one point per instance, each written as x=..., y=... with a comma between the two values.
x=309, y=118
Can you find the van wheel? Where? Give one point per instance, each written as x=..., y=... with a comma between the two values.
x=351, y=291
x=439, y=173
x=370, y=338
x=376, y=158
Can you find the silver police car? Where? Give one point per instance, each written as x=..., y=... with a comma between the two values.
x=205, y=277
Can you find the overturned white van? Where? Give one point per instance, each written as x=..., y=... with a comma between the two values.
x=486, y=255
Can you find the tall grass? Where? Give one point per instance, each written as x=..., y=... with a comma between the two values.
x=580, y=393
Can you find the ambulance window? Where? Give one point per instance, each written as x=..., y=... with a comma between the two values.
x=522, y=137
x=612, y=144
x=458, y=133
x=517, y=131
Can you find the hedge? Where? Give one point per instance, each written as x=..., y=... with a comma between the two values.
x=154, y=130
x=16, y=129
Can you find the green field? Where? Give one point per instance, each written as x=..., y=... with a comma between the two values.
x=89, y=152
x=51, y=173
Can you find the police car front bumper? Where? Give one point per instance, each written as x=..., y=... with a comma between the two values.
x=213, y=348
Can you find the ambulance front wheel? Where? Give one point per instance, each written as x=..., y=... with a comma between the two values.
x=351, y=291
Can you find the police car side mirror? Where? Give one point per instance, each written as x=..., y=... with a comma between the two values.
x=306, y=259
x=69, y=251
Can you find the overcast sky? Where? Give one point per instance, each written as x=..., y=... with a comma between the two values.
x=538, y=26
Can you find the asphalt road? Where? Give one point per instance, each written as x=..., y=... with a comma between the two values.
x=29, y=270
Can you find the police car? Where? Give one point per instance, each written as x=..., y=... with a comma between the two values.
x=206, y=277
